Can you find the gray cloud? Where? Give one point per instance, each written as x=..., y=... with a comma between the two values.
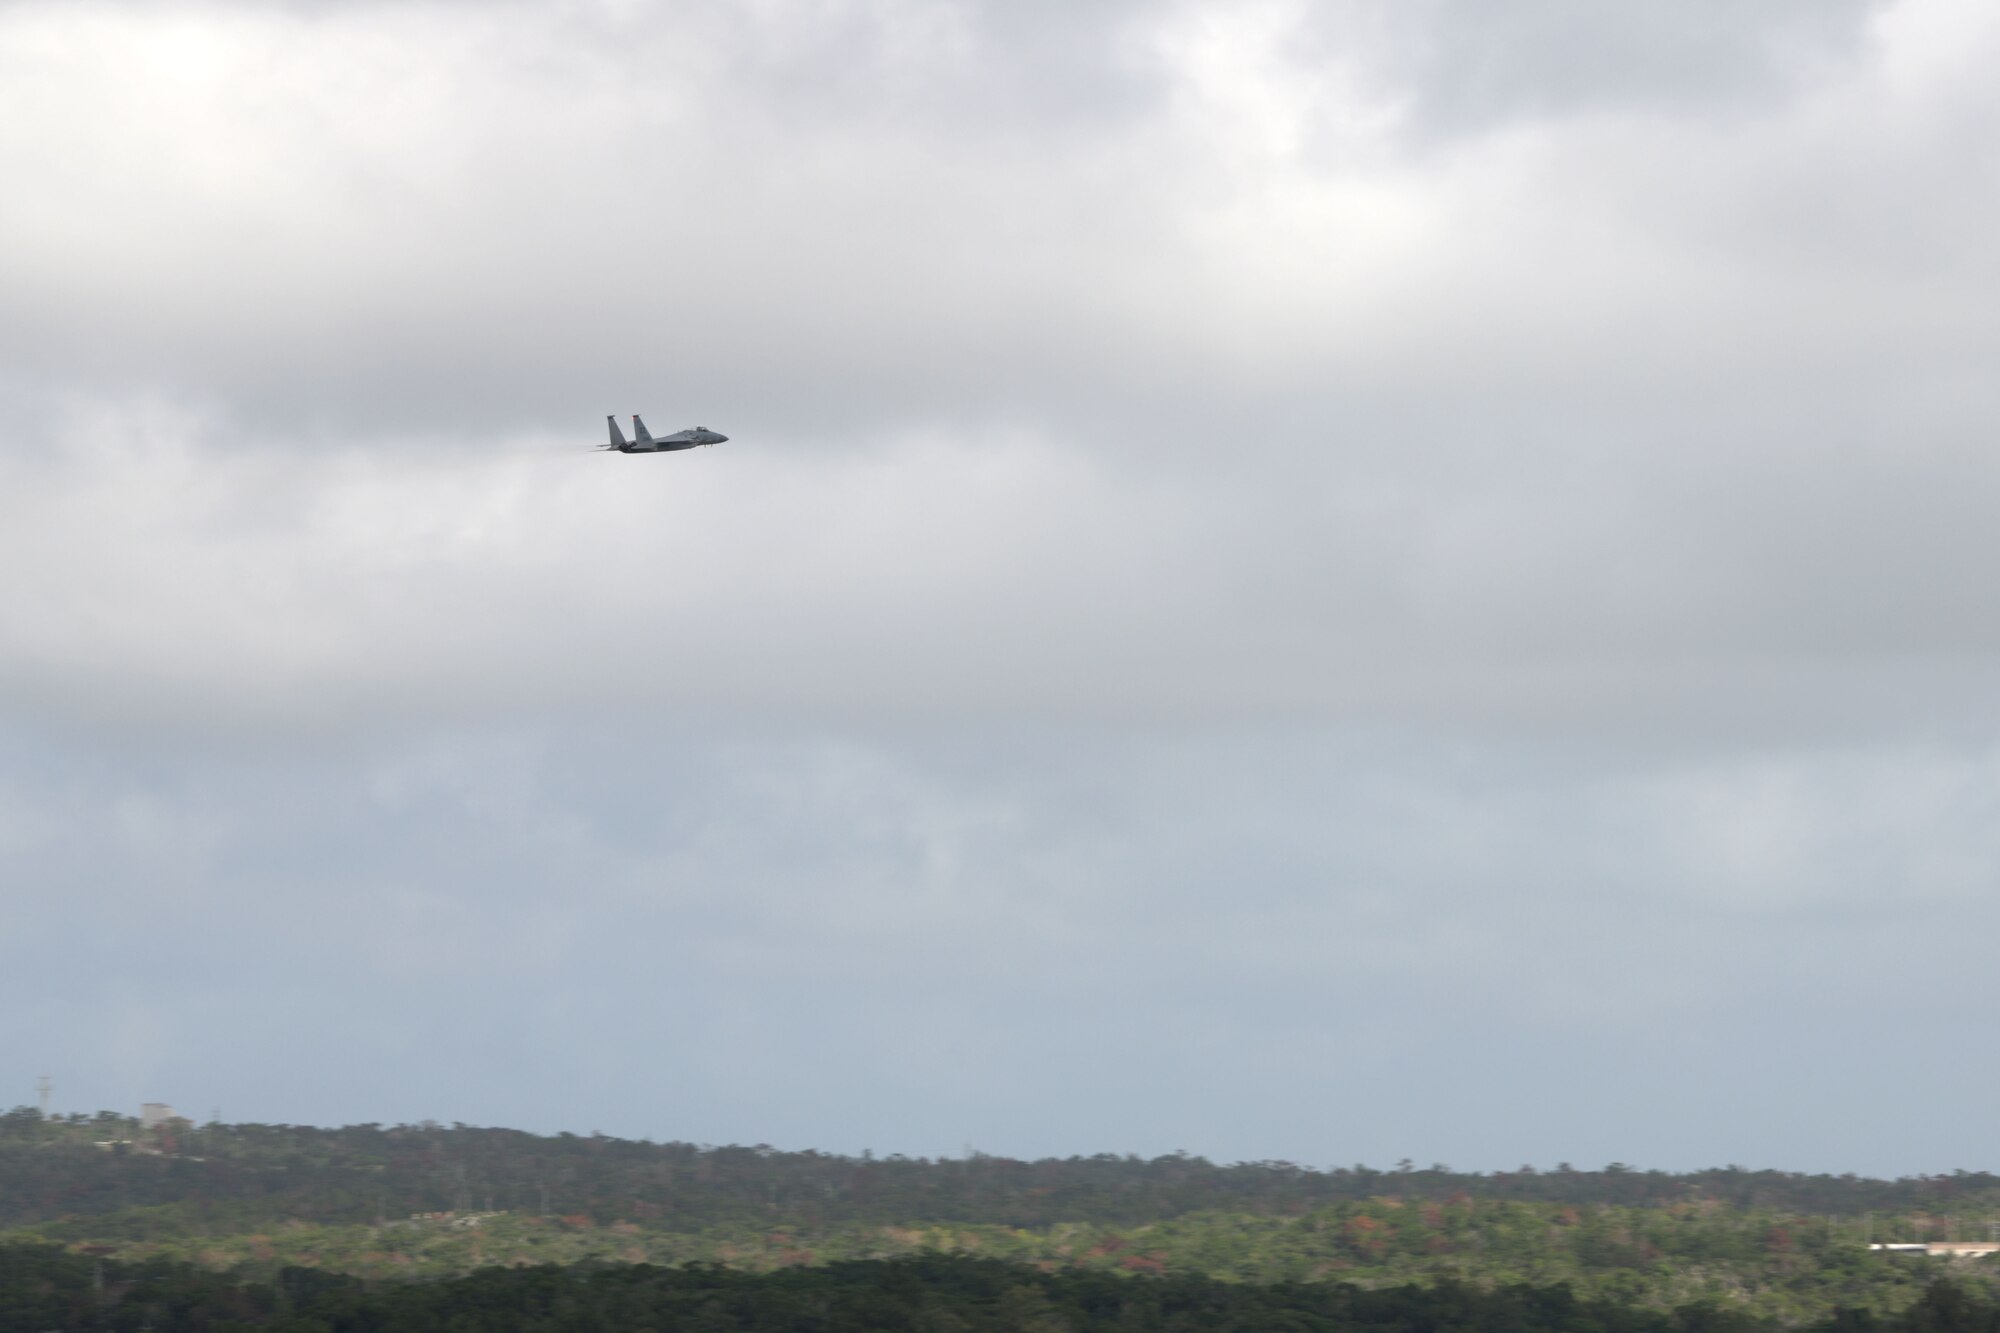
x=1319, y=946
x=154, y=576
x=1364, y=545
x=1465, y=66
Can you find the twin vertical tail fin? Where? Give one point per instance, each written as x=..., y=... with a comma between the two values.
x=639, y=431
x=617, y=436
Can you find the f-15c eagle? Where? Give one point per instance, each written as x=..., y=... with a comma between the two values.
x=644, y=441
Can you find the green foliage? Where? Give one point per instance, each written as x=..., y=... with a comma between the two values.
x=430, y=1202
x=1768, y=1265
x=225, y=1178
x=43, y=1289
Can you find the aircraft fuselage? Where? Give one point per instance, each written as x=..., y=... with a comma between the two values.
x=644, y=442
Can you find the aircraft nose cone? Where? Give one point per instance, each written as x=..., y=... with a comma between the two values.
x=721, y=439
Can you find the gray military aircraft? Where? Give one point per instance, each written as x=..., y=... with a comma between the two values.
x=644, y=441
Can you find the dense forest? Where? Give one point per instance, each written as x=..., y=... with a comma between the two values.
x=392, y=1205
x=43, y=1290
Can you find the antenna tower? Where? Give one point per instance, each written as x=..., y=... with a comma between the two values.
x=43, y=1087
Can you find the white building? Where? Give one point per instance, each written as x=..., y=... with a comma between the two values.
x=1944, y=1249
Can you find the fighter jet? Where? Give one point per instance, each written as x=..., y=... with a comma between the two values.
x=644, y=441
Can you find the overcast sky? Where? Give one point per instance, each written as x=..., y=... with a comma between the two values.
x=1329, y=581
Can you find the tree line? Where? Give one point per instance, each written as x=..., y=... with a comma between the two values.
x=226, y=1177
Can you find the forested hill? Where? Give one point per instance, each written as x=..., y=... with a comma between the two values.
x=225, y=1177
